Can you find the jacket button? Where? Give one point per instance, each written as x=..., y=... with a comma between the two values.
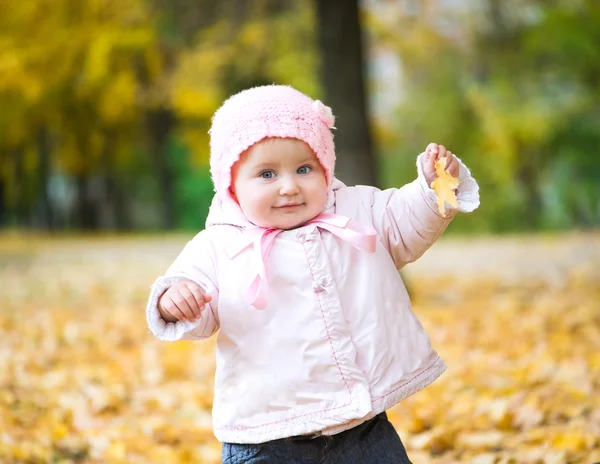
x=321, y=285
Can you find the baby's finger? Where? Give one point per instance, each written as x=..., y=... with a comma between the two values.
x=183, y=306
x=453, y=166
x=195, y=303
x=171, y=307
x=196, y=298
x=427, y=160
x=428, y=165
x=432, y=149
x=441, y=152
x=448, y=155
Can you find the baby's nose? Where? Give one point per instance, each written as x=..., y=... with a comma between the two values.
x=288, y=187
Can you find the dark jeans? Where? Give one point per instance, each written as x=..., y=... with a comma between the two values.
x=373, y=442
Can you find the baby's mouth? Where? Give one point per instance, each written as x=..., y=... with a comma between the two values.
x=288, y=205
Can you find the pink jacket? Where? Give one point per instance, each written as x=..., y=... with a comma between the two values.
x=337, y=342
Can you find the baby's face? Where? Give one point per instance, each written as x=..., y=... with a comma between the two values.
x=279, y=183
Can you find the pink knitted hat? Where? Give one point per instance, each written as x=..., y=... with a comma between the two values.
x=268, y=111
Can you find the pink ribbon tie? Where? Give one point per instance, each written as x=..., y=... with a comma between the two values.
x=359, y=236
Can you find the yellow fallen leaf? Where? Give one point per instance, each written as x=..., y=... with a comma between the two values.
x=572, y=441
x=480, y=440
x=486, y=458
x=444, y=186
x=117, y=451
x=58, y=431
x=555, y=457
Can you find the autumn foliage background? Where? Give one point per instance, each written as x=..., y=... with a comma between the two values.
x=104, y=112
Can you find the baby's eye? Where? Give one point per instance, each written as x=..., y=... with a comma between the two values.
x=304, y=170
x=267, y=174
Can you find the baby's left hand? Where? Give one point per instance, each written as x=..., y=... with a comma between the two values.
x=434, y=152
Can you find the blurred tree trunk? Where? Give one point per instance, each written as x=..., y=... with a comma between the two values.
x=160, y=124
x=3, y=204
x=528, y=175
x=21, y=207
x=113, y=187
x=87, y=208
x=43, y=146
x=342, y=76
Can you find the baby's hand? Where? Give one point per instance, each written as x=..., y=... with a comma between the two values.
x=183, y=301
x=434, y=152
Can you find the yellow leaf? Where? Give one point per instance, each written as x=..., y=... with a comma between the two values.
x=59, y=431
x=480, y=440
x=572, y=441
x=486, y=458
x=444, y=186
x=117, y=451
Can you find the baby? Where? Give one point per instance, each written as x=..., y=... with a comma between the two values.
x=299, y=276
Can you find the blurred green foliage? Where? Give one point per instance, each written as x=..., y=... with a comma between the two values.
x=516, y=94
x=512, y=87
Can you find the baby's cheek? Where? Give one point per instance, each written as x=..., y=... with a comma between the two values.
x=323, y=204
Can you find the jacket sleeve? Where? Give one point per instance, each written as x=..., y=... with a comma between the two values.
x=407, y=219
x=196, y=262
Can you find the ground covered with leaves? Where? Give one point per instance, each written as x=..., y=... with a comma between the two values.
x=516, y=320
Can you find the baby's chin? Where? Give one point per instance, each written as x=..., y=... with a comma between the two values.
x=287, y=223
x=287, y=220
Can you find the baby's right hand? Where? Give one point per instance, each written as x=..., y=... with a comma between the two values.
x=183, y=301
